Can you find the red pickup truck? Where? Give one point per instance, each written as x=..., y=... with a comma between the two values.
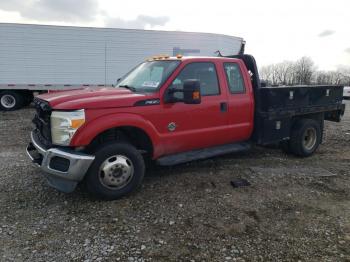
x=172, y=110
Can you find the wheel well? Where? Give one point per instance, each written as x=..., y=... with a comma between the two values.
x=130, y=134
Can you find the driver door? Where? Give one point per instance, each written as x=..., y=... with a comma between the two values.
x=184, y=127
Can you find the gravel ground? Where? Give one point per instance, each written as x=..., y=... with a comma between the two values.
x=295, y=209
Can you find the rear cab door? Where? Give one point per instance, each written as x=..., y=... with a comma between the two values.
x=240, y=96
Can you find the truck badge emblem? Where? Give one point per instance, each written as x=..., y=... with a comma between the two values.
x=171, y=126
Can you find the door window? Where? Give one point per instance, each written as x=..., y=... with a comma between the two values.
x=205, y=72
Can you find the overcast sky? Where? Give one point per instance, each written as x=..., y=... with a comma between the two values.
x=275, y=30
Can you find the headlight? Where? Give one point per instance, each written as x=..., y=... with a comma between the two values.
x=64, y=125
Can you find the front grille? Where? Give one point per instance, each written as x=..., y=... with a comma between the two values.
x=41, y=121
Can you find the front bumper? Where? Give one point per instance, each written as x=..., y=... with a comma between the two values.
x=64, y=168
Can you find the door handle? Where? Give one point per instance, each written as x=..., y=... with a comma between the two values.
x=223, y=107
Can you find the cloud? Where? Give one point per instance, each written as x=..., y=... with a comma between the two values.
x=53, y=10
x=75, y=11
x=326, y=33
x=140, y=22
x=347, y=50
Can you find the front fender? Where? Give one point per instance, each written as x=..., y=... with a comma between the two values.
x=93, y=128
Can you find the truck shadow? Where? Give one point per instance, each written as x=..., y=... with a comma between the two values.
x=255, y=154
x=155, y=176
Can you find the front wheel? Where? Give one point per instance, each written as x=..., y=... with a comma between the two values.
x=117, y=170
x=305, y=137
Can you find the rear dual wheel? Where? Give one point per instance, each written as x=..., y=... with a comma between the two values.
x=305, y=138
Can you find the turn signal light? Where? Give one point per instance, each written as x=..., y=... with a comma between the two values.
x=76, y=123
x=195, y=95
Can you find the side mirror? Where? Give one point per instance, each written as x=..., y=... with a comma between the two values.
x=191, y=93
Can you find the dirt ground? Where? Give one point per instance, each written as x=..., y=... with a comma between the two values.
x=295, y=209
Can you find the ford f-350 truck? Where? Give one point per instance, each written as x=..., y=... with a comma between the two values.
x=172, y=110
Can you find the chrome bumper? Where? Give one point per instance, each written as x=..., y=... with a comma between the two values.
x=64, y=178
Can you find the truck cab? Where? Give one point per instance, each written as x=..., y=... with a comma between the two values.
x=222, y=115
x=167, y=109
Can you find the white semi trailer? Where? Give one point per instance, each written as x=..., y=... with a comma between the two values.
x=38, y=58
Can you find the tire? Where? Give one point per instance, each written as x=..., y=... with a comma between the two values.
x=124, y=169
x=305, y=137
x=10, y=100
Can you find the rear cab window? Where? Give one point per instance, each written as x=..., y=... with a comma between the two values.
x=234, y=78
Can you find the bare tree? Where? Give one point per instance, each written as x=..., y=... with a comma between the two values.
x=266, y=73
x=323, y=78
x=283, y=72
x=345, y=75
x=338, y=77
x=303, y=72
x=304, y=69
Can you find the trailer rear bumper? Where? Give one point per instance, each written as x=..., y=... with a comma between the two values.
x=63, y=168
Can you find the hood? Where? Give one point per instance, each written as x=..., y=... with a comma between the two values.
x=89, y=98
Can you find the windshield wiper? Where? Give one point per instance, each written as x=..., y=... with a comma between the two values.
x=128, y=87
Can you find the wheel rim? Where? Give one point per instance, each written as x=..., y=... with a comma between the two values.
x=309, y=138
x=8, y=101
x=116, y=172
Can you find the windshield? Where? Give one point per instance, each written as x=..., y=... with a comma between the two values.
x=148, y=76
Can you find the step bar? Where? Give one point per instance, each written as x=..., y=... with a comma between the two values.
x=203, y=153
